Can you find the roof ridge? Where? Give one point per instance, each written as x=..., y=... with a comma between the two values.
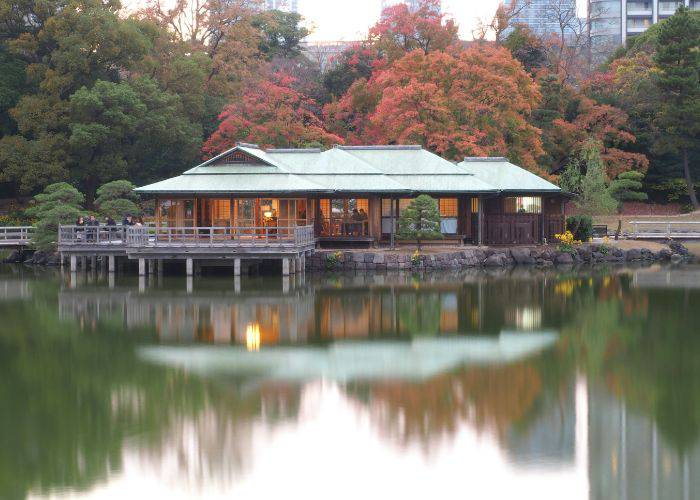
x=388, y=147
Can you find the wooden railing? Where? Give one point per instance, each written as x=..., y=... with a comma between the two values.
x=219, y=236
x=92, y=235
x=15, y=235
x=665, y=229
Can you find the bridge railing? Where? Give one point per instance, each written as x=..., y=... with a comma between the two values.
x=91, y=235
x=219, y=236
x=665, y=229
x=16, y=234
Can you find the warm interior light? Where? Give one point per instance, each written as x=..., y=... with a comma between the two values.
x=267, y=214
x=252, y=337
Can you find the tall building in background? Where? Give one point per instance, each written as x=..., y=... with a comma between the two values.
x=412, y=4
x=284, y=5
x=541, y=16
x=612, y=22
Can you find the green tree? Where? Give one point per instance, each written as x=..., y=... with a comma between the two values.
x=281, y=33
x=594, y=197
x=60, y=203
x=678, y=61
x=626, y=187
x=128, y=128
x=420, y=220
x=117, y=199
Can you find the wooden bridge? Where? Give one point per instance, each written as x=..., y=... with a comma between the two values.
x=15, y=236
x=651, y=230
x=150, y=246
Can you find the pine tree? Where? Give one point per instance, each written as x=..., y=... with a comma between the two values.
x=627, y=187
x=678, y=59
x=594, y=196
x=420, y=220
x=58, y=204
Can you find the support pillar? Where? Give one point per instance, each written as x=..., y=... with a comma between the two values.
x=237, y=267
x=83, y=262
x=111, y=264
x=292, y=265
x=480, y=223
x=93, y=262
x=73, y=263
x=160, y=267
x=285, y=266
x=142, y=266
x=237, y=284
x=142, y=283
x=189, y=267
x=151, y=266
x=189, y=284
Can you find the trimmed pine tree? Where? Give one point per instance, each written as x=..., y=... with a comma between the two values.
x=420, y=220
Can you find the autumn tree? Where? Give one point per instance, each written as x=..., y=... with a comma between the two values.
x=271, y=114
x=401, y=30
x=678, y=59
x=224, y=30
x=473, y=102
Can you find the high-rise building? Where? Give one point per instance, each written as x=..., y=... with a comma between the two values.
x=284, y=5
x=612, y=22
x=541, y=16
x=412, y=4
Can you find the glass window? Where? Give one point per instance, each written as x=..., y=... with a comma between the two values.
x=448, y=207
x=475, y=205
x=522, y=205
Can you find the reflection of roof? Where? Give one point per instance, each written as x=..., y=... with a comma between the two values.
x=350, y=169
x=419, y=359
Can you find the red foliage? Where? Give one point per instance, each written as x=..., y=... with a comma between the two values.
x=401, y=30
x=464, y=103
x=271, y=114
x=608, y=125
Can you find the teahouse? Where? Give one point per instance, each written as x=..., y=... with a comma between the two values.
x=355, y=194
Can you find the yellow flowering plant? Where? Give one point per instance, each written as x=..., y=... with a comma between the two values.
x=566, y=241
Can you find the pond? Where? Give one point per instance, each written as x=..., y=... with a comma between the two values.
x=519, y=383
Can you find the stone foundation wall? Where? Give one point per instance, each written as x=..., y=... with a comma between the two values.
x=338, y=260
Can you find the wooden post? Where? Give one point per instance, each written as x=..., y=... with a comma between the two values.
x=151, y=266
x=292, y=265
x=189, y=267
x=237, y=267
x=392, y=237
x=73, y=263
x=111, y=264
x=543, y=219
x=285, y=266
x=142, y=266
x=480, y=223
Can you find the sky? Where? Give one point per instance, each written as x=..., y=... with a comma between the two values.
x=349, y=20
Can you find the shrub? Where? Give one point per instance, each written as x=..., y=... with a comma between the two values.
x=117, y=199
x=415, y=258
x=332, y=260
x=566, y=241
x=58, y=204
x=581, y=226
x=420, y=220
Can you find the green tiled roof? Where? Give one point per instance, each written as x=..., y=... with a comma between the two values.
x=504, y=176
x=350, y=169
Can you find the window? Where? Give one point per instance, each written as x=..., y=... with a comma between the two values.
x=221, y=213
x=448, y=207
x=176, y=213
x=475, y=205
x=522, y=205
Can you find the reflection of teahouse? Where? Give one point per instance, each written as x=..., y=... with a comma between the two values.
x=353, y=193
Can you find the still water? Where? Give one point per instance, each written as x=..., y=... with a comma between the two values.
x=511, y=384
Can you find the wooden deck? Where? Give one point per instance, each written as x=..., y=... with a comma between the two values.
x=151, y=244
x=16, y=236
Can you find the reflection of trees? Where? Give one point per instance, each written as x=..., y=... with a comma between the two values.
x=491, y=398
x=73, y=401
x=643, y=343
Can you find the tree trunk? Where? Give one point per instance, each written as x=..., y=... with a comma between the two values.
x=618, y=230
x=689, y=181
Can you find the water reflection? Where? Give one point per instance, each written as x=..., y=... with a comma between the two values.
x=329, y=376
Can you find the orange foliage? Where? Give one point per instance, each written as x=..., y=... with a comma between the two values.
x=401, y=30
x=606, y=124
x=472, y=102
x=271, y=114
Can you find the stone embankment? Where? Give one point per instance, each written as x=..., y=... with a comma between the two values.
x=367, y=260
